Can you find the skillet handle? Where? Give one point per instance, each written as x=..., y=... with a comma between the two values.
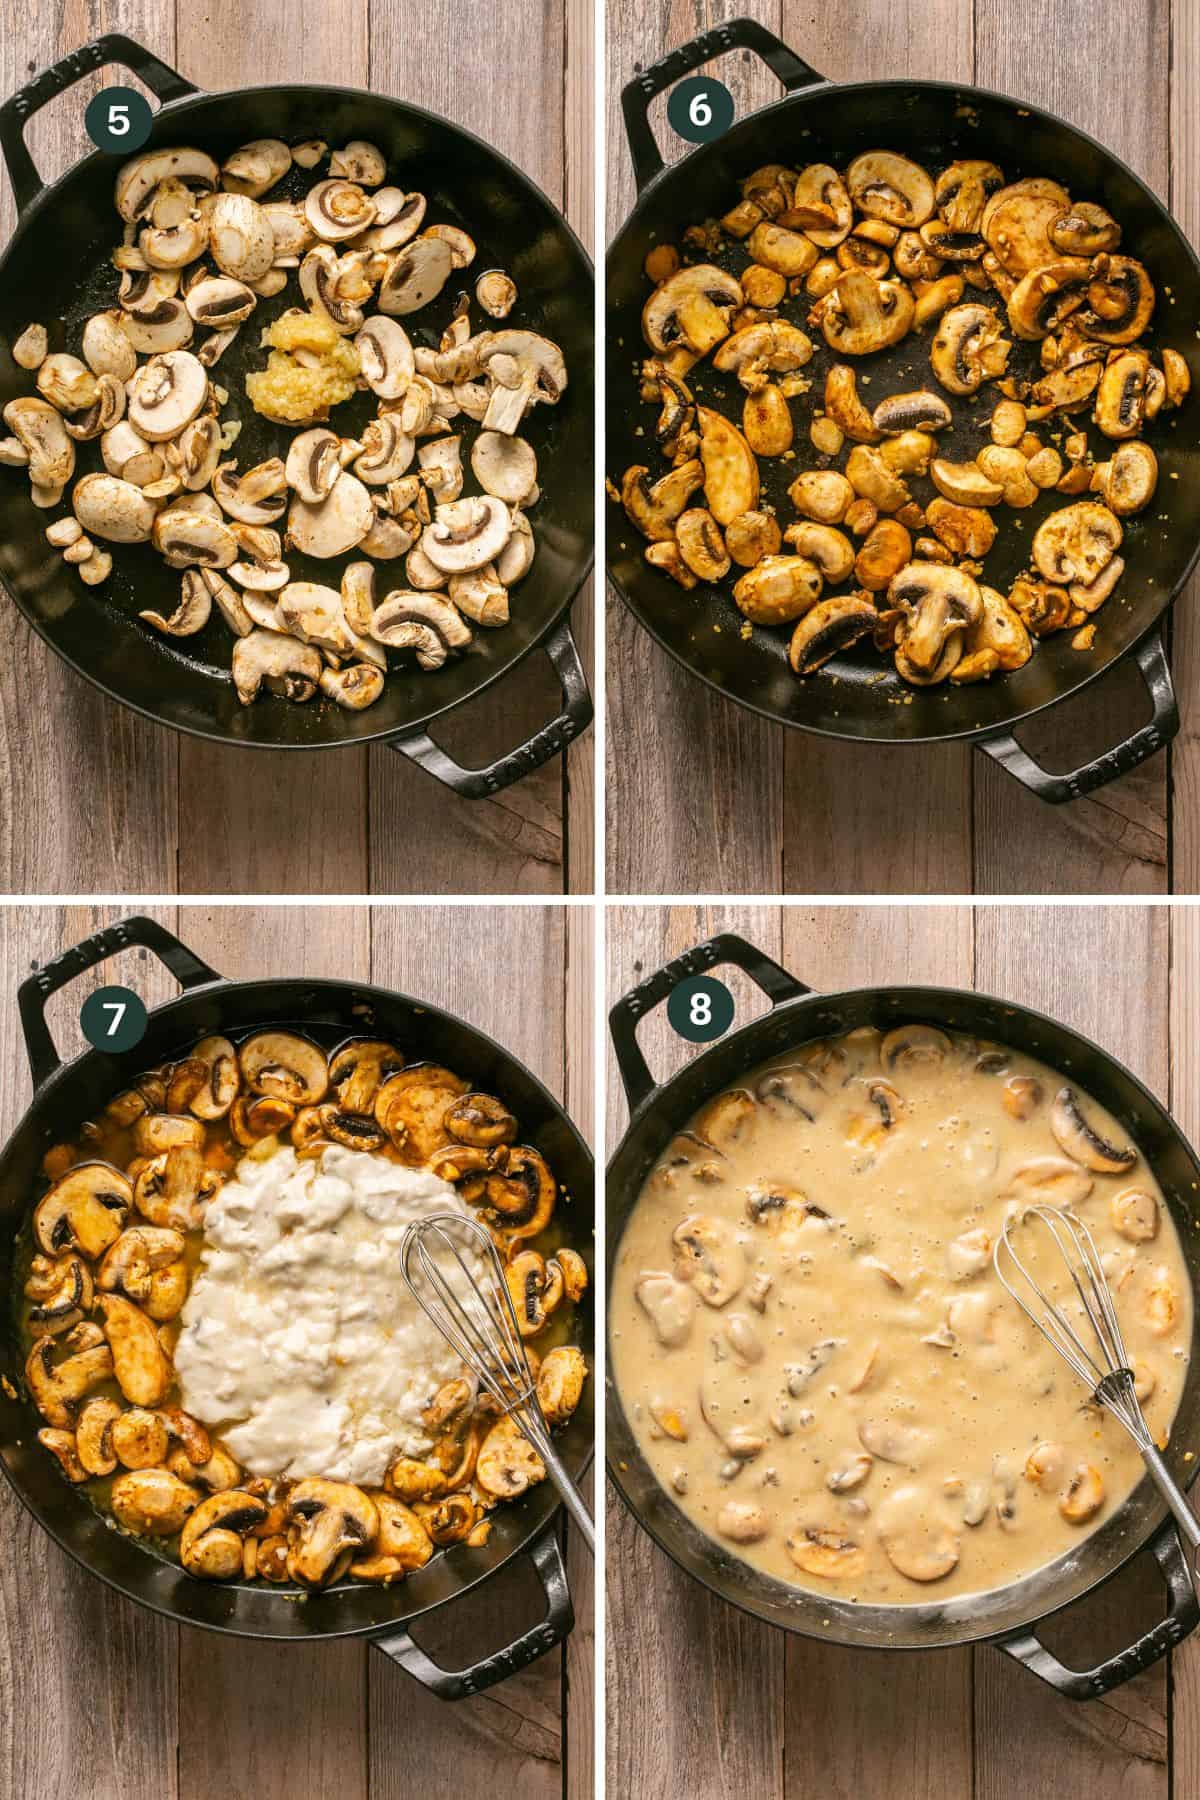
x=457, y=1684
x=1151, y=659
x=113, y=47
x=736, y=34
x=35, y=990
x=1088, y=1684
x=551, y=740
x=628, y=1013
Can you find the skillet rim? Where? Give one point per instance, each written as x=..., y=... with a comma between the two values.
x=965, y=91
x=393, y=735
x=828, y=1633
x=299, y=985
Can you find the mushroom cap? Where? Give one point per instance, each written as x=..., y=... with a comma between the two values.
x=166, y=394
x=698, y=293
x=254, y=167
x=336, y=524
x=240, y=237
x=466, y=534
x=968, y=347
x=385, y=355
x=84, y=1210
x=287, y=666
x=829, y=627
x=415, y=275
x=140, y=176
x=887, y=186
x=504, y=465
x=1077, y=542
x=427, y=623
x=861, y=315
x=285, y=1066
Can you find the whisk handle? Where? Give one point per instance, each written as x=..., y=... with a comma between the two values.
x=1087, y=1684
x=457, y=1684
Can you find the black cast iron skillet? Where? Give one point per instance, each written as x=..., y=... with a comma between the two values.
x=56, y=270
x=1009, y=1617
x=66, y=1093
x=857, y=696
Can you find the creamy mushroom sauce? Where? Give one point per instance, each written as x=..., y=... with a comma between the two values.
x=814, y=1351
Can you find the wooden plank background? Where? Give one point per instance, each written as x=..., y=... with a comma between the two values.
x=769, y=810
x=705, y=1701
x=100, y=1698
x=95, y=800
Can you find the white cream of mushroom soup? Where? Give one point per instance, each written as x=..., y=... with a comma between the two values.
x=300, y=1339
x=813, y=1349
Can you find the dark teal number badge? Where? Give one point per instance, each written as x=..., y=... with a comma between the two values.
x=700, y=109
x=700, y=1009
x=113, y=1018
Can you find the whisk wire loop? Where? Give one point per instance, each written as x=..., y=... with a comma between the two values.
x=475, y=1315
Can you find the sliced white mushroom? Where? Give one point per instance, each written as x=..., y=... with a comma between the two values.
x=116, y=510
x=29, y=349
x=280, y=662
x=228, y=601
x=314, y=464
x=315, y=615
x=192, y=613
x=496, y=293
x=106, y=347
x=166, y=394
x=441, y=467
x=255, y=167
x=422, y=574
x=385, y=354
x=355, y=687
x=481, y=595
x=466, y=534
x=387, y=451
x=309, y=153
x=505, y=466
x=138, y=178
x=338, y=209
x=398, y=218
x=415, y=275
x=426, y=623
x=186, y=538
x=336, y=524
x=256, y=498
x=240, y=236
x=516, y=559
x=40, y=430
x=359, y=161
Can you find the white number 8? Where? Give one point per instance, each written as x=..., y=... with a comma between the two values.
x=700, y=1010
x=700, y=113
x=119, y=122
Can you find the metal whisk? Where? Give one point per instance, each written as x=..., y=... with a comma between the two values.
x=1093, y=1347
x=478, y=1321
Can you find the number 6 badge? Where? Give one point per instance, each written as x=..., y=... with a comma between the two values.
x=700, y=109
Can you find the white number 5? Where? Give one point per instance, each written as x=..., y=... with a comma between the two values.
x=700, y=112
x=117, y=1007
x=119, y=125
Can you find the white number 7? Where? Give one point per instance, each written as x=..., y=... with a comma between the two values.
x=117, y=1007
x=118, y=124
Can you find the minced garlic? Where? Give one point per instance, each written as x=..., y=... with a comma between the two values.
x=294, y=392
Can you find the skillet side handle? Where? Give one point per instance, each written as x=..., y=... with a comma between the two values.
x=737, y=34
x=1089, y=1684
x=114, y=47
x=629, y=1011
x=35, y=990
x=551, y=740
x=457, y=1684
x=1151, y=659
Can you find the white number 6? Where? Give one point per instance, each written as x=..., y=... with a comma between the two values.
x=700, y=113
x=118, y=1008
x=119, y=124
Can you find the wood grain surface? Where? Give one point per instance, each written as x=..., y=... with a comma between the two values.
x=95, y=800
x=98, y=1697
x=703, y=1700
x=706, y=798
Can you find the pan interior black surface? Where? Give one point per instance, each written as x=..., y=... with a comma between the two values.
x=857, y=695
x=970, y=1618
x=57, y=271
x=328, y=1011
